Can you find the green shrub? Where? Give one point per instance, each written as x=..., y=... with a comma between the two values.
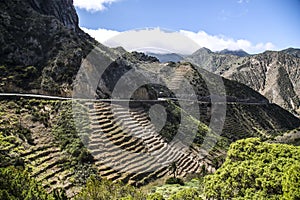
x=105, y=190
x=256, y=170
x=291, y=183
x=155, y=196
x=59, y=194
x=187, y=194
x=17, y=184
x=25, y=134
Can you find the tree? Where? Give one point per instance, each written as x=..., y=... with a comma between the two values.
x=103, y=189
x=291, y=183
x=155, y=196
x=173, y=168
x=187, y=194
x=256, y=170
x=17, y=184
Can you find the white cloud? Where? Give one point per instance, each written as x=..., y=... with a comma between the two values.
x=92, y=5
x=154, y=39
x=151, y=39
x=219, y=42
x=101, y=35
x=184, y=42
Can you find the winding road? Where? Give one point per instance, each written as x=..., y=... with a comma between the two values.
x=39, y=96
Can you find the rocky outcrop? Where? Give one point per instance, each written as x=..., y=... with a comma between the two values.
x=276, y=75
x=41, y=46
x=64, y=11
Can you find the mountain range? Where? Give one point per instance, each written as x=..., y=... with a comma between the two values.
x=274, y=74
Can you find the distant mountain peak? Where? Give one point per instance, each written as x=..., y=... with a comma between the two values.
x=292, y=51
x=203, y=50
x=239, y=52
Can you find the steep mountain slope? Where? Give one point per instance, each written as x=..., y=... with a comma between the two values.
x=292, y=51
x=42, y=46
x=47, y=138
x=248, y=112
x=40, y=135
x=29, y=64
x=274, y=74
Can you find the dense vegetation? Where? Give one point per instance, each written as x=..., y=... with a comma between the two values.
x=102, y=189
x=256, y=170
x=17, y=184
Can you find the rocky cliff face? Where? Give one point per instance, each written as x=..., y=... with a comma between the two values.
x=41, y=46
x=64, y=11
x=276, y=75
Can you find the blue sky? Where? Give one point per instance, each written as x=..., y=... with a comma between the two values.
x=257, y=24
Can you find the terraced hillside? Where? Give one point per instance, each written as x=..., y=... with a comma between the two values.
x=40, y=136
x=46, y=139
x=45, y=159
x=127, y=147
x=116, y=142
x=266, y=121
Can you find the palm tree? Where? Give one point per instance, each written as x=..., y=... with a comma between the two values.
x=173, y=168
